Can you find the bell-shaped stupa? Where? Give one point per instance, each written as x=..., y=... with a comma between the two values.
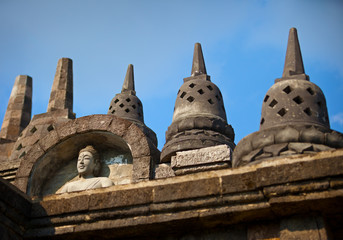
x=199, y=118
x=128, y=106
x=294, y=116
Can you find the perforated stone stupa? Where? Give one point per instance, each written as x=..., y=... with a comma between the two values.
x=199, y=118
x=294, y=116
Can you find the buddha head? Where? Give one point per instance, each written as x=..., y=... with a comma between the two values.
x=88, y=162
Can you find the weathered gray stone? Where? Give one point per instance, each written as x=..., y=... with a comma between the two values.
x=303, y=228
x=220, y=153
x=61, y=96
x=164, y=170
x=199, y=106
x=18, y=113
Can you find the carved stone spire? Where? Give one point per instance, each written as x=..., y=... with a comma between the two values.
x=129, y=83
x=294, y=67
x=294, y=117
x=198, y=66
x=18, y=113
x=61, y=96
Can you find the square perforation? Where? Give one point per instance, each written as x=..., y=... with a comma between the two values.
x=200, y=91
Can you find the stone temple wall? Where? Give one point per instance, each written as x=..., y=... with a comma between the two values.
x=284, y=181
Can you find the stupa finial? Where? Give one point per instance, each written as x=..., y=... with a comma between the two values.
x=129, y=83
x=198, y=66
x=294, y=67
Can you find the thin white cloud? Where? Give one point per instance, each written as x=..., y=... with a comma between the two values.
x=338, y=118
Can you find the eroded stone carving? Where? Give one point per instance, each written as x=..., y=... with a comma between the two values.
x=88, y=167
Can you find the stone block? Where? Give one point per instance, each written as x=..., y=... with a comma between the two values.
x=67, y=129
x=303, y=228
x=57, y=205
x=49, y=140
x=138, y=142
x=164, y=170
x=100, y=122
x=240, y=182
x=120, y=198
x=221, y=153
x=264, y=231
x=141, y=169
x=185, y=190
x=119, y=126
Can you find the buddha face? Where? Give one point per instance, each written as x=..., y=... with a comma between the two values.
x=85, y=164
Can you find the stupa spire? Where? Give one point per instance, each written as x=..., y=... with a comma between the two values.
x=294, y=67
x=18, y=113
x=129, y=83
x=198, y=66
x=61, y=96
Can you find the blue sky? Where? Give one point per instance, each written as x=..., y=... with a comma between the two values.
x=244, y=45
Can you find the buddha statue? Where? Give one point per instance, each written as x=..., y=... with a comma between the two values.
x=88, y=167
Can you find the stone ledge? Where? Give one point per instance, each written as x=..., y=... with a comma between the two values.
x=227, y=196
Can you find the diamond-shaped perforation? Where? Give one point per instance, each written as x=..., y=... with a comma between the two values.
x=121, y=105
x=117, y=100
x=128, y=100
x=201, y=92
x=210, y=87
x=190, y=99
x=298, y=100
x=262, y=121
x=113, y=111
x=218, y=98
x=273, y=103
x=50, y=128
x=19, y=147
x=182, y=94
x=308, y=111
x=33, y=130
x=310, y=91
x=192, y=85
x=287, y=90
x=282, y=112
x=134, y=106
x=210, y=101
x=266, y=98
x=127, y=110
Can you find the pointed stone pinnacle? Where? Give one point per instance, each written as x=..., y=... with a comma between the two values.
x=129, y=82
x=294, y=67
x=198, y=66
x=61, y=96
x=18, y=113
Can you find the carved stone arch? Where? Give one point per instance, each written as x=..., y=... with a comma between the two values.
x=105, y=131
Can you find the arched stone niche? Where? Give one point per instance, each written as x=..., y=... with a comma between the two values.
x=51, y=161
